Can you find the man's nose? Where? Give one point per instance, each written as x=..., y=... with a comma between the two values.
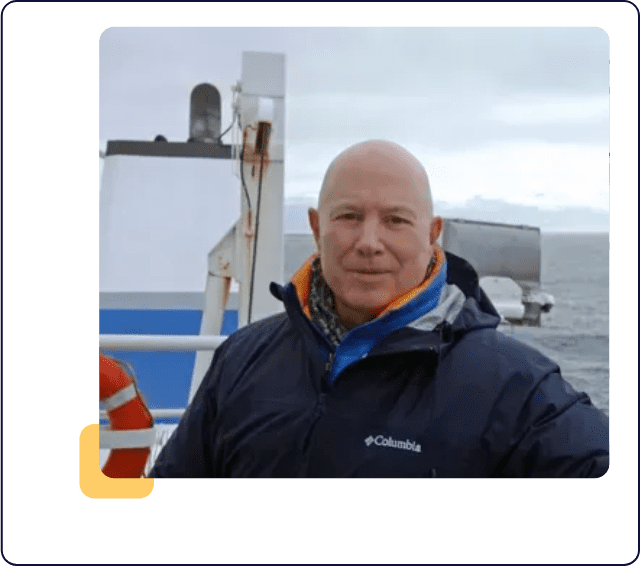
x=369, y=242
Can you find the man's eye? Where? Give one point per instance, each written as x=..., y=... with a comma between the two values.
x=348, y=216
x=394, y=219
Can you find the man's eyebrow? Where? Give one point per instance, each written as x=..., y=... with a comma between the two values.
x=344, y=207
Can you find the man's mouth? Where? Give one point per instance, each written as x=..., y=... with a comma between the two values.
x=370, y=271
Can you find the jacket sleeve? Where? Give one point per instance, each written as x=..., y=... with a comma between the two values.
x=562, y=434
x=188, y=453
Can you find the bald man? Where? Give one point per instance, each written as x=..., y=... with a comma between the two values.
x=387, y=361
x=374, y=228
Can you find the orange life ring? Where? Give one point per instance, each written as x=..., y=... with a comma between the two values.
x=127, y=411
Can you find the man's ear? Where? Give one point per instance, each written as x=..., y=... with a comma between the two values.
x=436, y=229
x=314, y=222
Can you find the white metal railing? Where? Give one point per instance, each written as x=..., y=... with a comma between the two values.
x=159, y=342
x=152, y=342
x=157, y=413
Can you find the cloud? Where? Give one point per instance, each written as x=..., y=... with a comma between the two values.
x=594, y=108
x=566, y=174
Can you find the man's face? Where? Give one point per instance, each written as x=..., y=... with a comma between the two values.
x=375, y=234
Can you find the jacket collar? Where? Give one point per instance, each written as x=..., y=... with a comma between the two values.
x=301, y=282
x=446, y=305
x=461, y=293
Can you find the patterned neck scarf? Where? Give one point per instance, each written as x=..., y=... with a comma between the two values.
x=322, y=303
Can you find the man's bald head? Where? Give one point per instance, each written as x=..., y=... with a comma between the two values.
x=382, y=157
x=374, y=228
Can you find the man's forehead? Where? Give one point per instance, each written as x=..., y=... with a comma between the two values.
x=372, y=188
x=375, y=182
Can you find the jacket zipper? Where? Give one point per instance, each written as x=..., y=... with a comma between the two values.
x=327, y=367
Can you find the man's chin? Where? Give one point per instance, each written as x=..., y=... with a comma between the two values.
x=367, y=310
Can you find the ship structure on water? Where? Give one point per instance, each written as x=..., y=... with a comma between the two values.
x=192, y=234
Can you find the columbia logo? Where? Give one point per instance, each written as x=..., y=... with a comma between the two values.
x=392, y=443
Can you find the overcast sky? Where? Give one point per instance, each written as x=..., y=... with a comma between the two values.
x=517, y=114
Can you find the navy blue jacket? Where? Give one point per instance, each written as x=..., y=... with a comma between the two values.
x=446, y=395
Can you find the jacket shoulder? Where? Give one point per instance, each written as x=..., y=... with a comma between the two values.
x=255, y=335
x=494, y=349
x=549, y=429
x=242, y=347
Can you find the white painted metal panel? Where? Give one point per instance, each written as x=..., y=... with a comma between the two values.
x=159, y=217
